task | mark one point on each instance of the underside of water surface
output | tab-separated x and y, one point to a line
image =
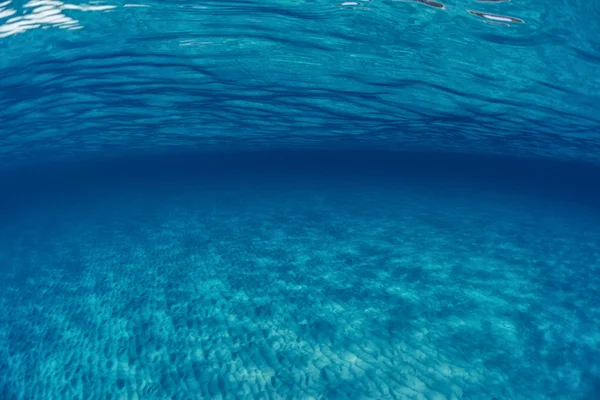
300	276
499	77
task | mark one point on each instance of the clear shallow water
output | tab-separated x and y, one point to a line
194	203
306	275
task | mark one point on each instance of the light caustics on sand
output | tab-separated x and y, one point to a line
356	292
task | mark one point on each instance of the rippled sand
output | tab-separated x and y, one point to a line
302	293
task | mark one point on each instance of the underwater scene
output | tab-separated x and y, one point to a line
300	200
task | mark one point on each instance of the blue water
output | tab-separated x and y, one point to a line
113	77
300	200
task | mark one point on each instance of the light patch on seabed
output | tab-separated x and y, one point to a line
360	294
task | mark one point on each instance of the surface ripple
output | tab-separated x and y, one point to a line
116	77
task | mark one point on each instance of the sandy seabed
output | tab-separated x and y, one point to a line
302	292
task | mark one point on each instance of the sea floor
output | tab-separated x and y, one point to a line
301	291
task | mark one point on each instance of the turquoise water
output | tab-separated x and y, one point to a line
300	200
301	276
114	77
